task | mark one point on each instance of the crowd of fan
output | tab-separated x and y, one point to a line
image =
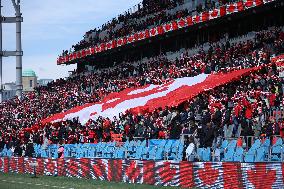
222	108
239	108
152	13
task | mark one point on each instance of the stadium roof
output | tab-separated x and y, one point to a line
230	9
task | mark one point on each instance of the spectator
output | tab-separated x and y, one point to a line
190	149
61	151
29	149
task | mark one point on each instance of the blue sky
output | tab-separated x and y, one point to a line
51	26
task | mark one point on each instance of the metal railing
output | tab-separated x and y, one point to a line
269	157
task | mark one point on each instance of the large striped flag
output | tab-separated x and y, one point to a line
150	97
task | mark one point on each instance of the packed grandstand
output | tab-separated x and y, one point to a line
205	91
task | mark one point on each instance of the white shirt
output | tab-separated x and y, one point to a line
189	149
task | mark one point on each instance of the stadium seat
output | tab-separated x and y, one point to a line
85	148
232	144
5	152
276	150
126	144
256	144
239	154
229	154
109	150
204	154
9	153
152	153
92	151
138	152
144	143
251	153
138	143
163	149
260	154
174	150
229	151
131	149
160	150
179	155
207	154
279	141
167	149
37	149
200	153
120	153
266	145
222	148
224	145
43	154
100	149
69	150
145	153
79	153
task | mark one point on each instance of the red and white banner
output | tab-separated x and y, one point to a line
254	3
278	59
218	12
235	7
150	97
225	175
168	27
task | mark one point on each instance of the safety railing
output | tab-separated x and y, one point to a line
218	158
273	153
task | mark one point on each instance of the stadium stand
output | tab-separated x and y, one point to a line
219	122
148	15
241	120
217	117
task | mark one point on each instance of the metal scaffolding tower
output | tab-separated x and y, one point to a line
18	53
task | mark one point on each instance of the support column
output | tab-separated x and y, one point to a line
1	55
19	55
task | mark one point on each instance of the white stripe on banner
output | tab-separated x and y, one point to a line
162	90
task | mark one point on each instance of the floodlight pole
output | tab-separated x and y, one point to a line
19	52
1	54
